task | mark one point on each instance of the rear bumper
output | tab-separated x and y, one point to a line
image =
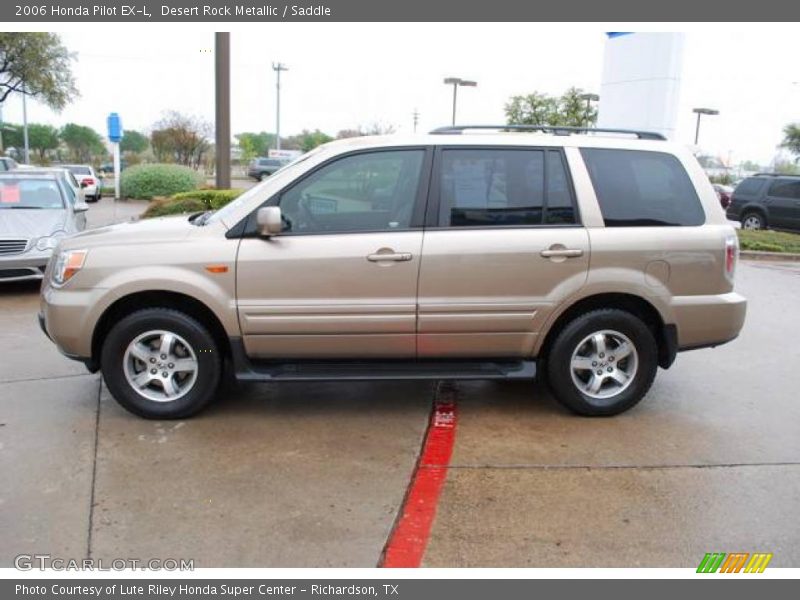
704	321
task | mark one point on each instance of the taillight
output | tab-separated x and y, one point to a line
731	254
87	181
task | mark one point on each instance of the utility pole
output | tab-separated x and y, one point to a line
27	154
415	115
278	67
222	75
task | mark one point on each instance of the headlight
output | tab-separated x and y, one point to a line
67	265
49	242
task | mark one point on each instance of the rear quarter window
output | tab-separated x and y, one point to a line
640	188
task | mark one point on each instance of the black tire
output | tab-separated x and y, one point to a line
208	363
559	363
262	176
755	217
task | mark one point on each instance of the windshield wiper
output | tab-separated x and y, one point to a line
25	207
200	218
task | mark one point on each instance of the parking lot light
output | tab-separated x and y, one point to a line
456	82
701	111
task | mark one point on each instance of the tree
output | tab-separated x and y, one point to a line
307	140
36	64
791	139
83	142
180	139
134	142
255	144
540	109
749	165
42	138
376	128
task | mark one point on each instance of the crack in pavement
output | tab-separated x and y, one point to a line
28	379
601	467
94	471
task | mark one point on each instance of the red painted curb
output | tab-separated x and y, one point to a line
409	539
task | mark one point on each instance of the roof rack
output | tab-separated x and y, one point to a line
554	129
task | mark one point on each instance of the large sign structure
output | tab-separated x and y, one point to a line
641	82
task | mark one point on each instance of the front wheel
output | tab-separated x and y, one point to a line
160	363
602	363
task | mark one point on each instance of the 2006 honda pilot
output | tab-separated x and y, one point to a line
590	257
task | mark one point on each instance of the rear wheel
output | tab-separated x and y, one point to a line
754	220
161	364
602	363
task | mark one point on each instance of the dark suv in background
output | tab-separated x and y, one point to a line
767	200
261	168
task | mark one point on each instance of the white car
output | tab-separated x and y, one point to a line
91	184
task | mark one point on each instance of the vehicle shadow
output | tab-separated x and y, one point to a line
20	288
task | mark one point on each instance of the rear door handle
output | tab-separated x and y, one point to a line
561	252
393	257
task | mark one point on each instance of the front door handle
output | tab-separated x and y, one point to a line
561	253
389	256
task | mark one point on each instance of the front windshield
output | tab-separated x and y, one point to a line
29	194
287	171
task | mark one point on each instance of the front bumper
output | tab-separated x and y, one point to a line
704	321
29	266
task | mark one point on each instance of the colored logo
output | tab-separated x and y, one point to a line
737	562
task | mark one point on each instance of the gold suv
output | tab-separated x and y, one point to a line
589	256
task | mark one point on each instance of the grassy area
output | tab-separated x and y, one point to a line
769	241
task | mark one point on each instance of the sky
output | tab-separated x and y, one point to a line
342	75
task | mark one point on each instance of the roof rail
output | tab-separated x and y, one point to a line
554	129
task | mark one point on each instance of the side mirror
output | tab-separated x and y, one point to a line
80	207
268	221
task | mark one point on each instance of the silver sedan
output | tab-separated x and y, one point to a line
36	211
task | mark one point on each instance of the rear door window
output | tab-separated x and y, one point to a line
496	187
639	188
749	187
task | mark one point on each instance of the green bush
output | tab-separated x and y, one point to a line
213	199
162	207
190	202
148	181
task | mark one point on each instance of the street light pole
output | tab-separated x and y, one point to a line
278	67
222	74
27	154
589	99
456	82
701	111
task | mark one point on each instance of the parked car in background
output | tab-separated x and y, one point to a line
91	184
7	163
260	168
724	194
767	200
75	194
592	258
108	167
35	213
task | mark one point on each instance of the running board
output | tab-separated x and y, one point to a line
349	370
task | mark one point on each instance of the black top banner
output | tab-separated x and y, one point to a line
235	11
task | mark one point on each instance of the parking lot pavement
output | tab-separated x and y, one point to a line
710	461
107	211
295	475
